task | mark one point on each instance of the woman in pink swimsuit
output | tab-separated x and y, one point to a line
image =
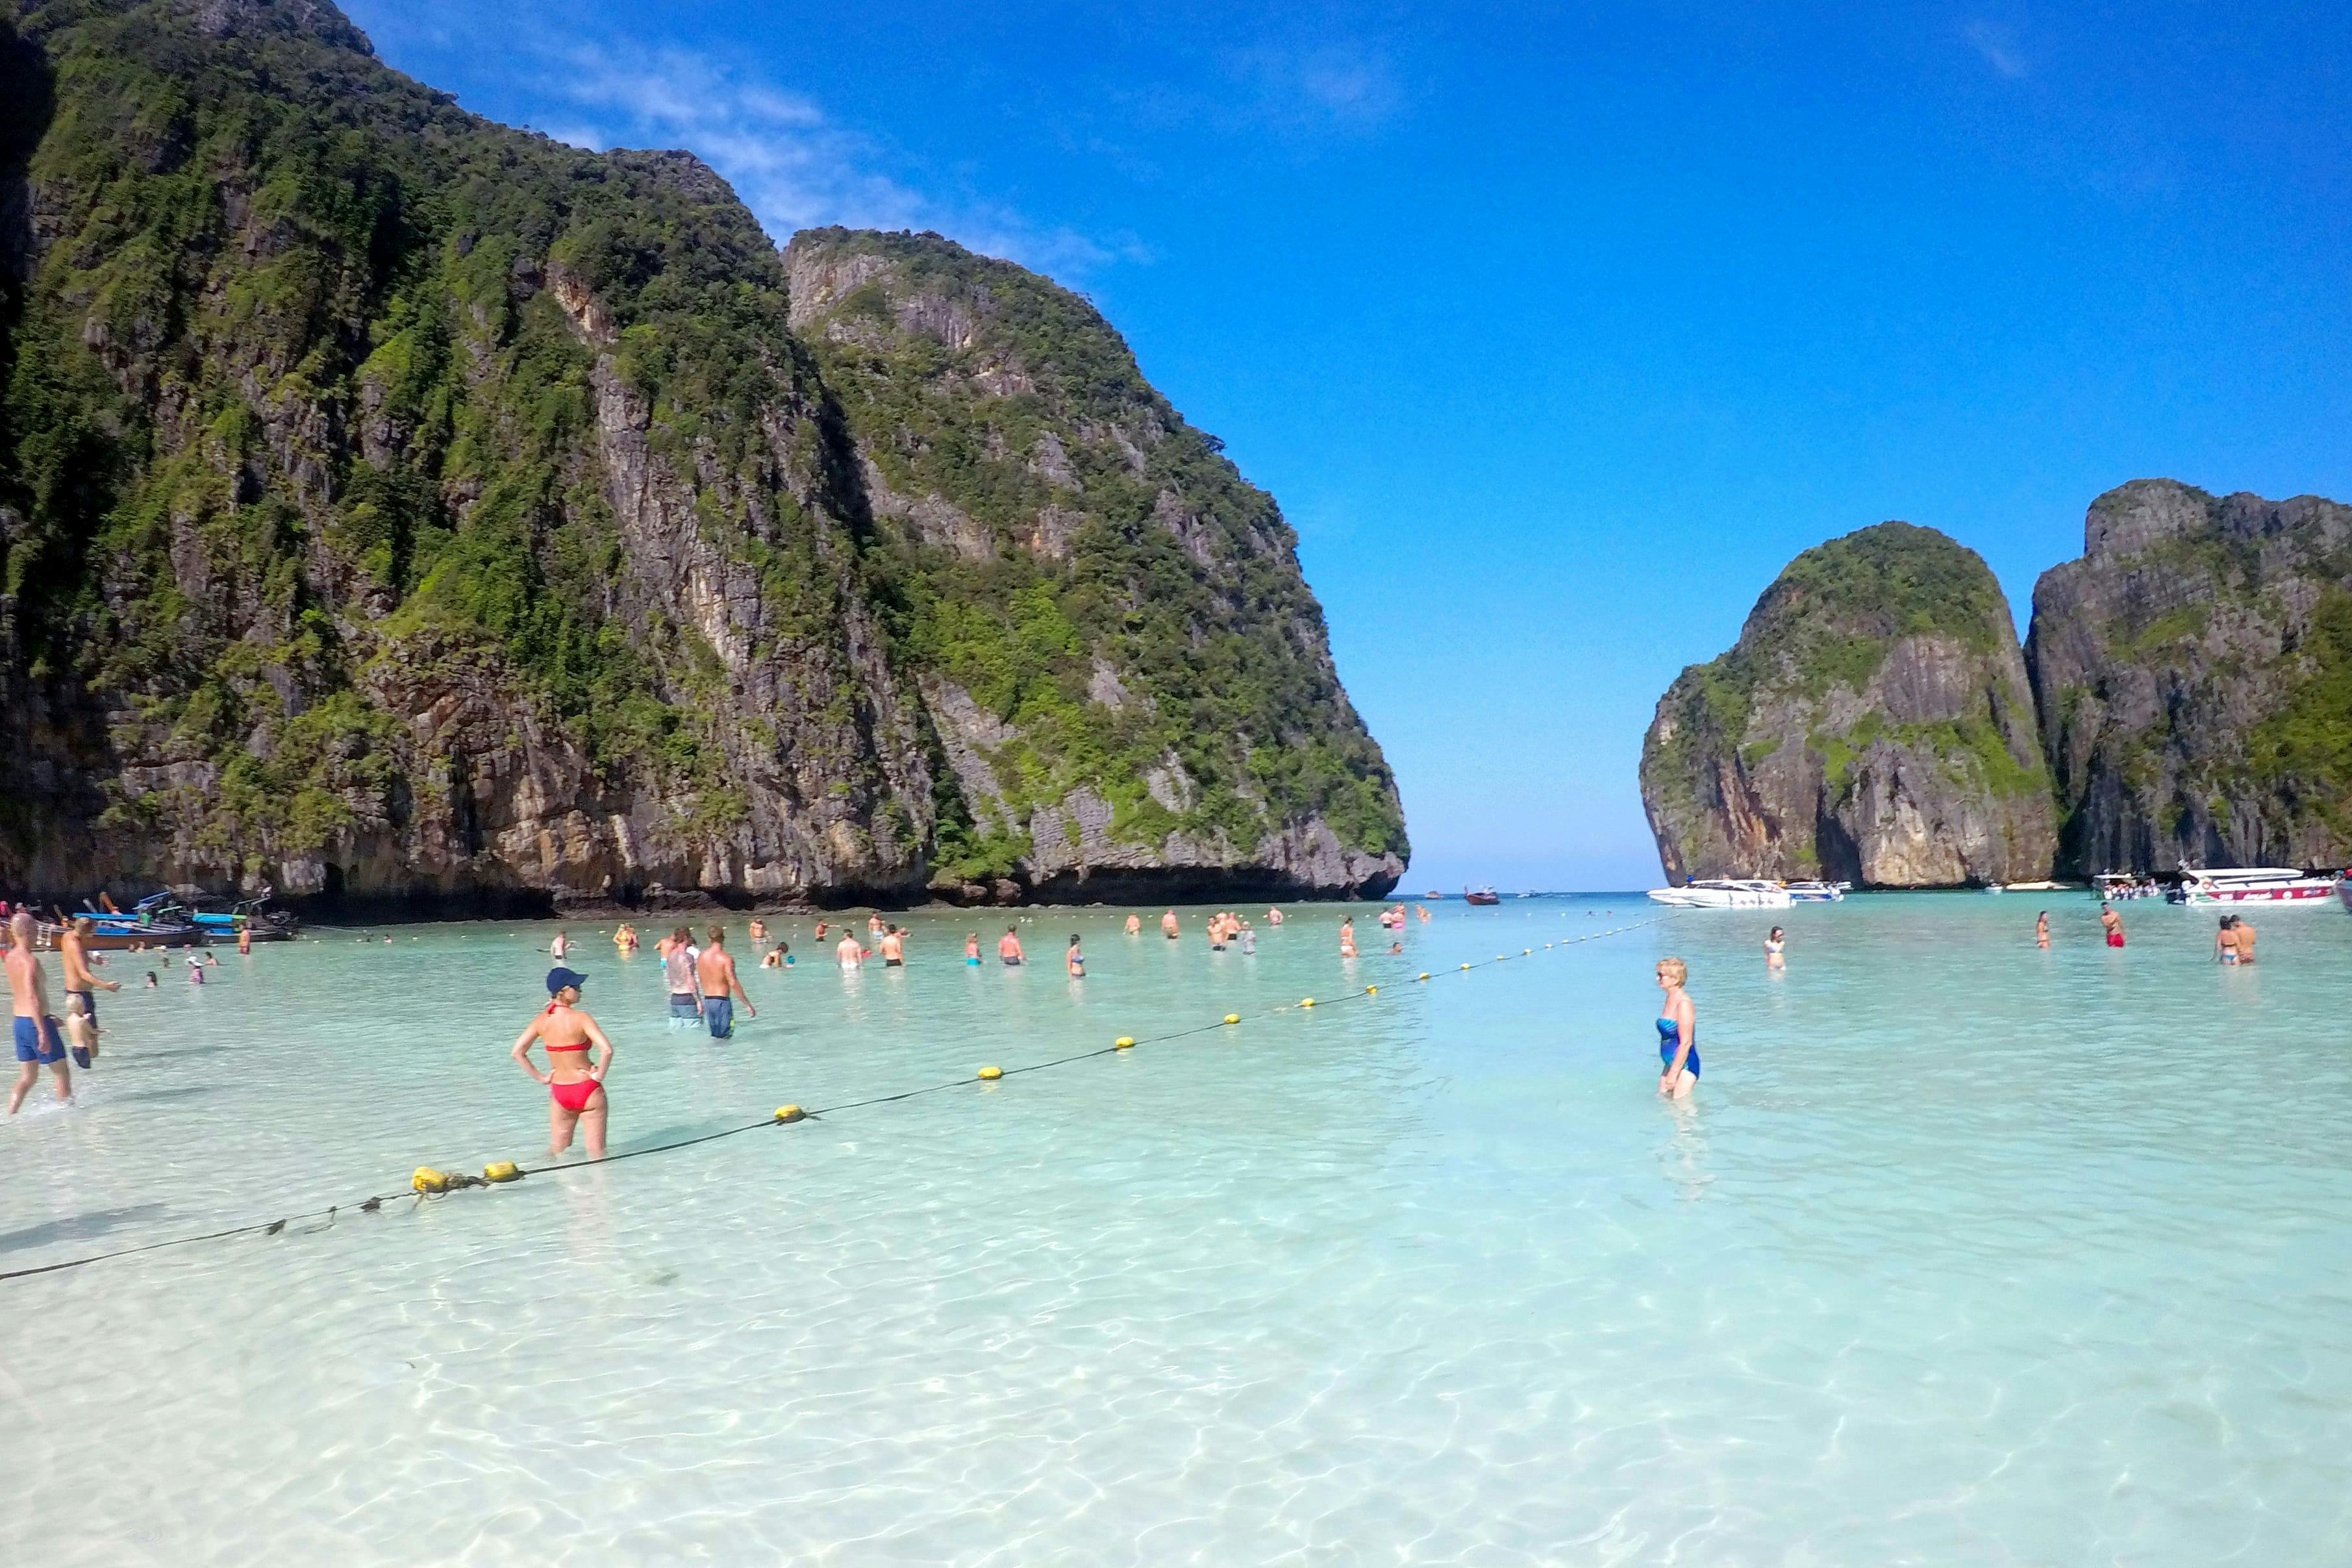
575	1089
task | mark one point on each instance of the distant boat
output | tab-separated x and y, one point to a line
1433	893
2028	887
1483	895
2254	885
1724	893
1816	892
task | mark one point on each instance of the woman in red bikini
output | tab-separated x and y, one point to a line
575	1089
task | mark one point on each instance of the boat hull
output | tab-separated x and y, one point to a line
2239	897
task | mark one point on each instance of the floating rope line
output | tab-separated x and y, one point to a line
428	1182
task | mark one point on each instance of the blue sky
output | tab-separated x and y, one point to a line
1557	331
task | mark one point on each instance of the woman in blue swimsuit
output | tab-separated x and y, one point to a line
1677	1032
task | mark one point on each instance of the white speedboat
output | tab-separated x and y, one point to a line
1724	893
2254	885
1816	892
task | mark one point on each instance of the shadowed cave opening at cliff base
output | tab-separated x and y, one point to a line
497	521
2183	698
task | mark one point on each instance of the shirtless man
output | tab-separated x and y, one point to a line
2114	923
80	983
559	949
850	954
1008	948
1168	925
1274	917
1134	925
720	989
759	931
39	1041
575	1089
893	948
677	956
2244	934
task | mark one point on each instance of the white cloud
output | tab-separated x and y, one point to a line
793	167
1998	46
1347	86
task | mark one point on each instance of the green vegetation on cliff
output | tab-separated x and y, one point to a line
1098	533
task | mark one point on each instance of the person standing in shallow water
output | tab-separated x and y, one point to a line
1134	925
1677	1031
2042	929
40	1042
575	1089
721	989
1347	938
1773	945
2114	923
1075	961
1008	948
1168	925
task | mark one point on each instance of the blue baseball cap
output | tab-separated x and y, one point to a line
560	977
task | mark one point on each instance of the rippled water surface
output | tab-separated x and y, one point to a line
1963	1252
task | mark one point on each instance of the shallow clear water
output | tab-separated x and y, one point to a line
1963	1252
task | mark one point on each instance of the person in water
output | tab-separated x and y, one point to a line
847	951
39	1040
777	956
2114	923
721	989
893	948
2042	929
820	932
1135	925
1248	939
2245	936
559	949
1772	949
244	937
152	983
1075	961
677	956
971	947
1274	917
1677	1031
2225	941
575	1089
81	986
196	971
1168	925
1008	948
1347	938
759	931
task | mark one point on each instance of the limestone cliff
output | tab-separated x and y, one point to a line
396	504
2194	672
1871	724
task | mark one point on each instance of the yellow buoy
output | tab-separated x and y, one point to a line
992	1072
1465	966
1371	990
1525	951
1123	1043
789	1114
1422	975
427	1179
1233	1018
502	1170
1307	1001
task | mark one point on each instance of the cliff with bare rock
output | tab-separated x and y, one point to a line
2194	672
1873	724
398	507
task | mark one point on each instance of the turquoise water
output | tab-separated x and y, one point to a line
1961	1252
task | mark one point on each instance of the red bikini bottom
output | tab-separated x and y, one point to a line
574	1096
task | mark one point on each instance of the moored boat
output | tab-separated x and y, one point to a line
1481	895
1724	893
2255	884
1816	892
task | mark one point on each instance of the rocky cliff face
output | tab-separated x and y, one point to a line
395	505
1871	725
2194	676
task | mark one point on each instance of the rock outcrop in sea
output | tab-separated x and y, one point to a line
397	506
1873	724
2194	672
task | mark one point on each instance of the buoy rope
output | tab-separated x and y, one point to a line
371	1204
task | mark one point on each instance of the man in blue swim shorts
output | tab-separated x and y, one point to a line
715	968
39	1041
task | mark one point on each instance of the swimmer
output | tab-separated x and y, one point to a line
850	954
1677	1031
820	932
1348	938
777	956
2114	923
38	1041
1395	947
893	948
74	959
1423	913
212	961
759	931
2225	941
1772	947
2245	935
971	947
196	971
1274	917
1135	925
1008	948
2042	929
1075	961
150	980
1168	925
575	1089
715	968
558	949
677	956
